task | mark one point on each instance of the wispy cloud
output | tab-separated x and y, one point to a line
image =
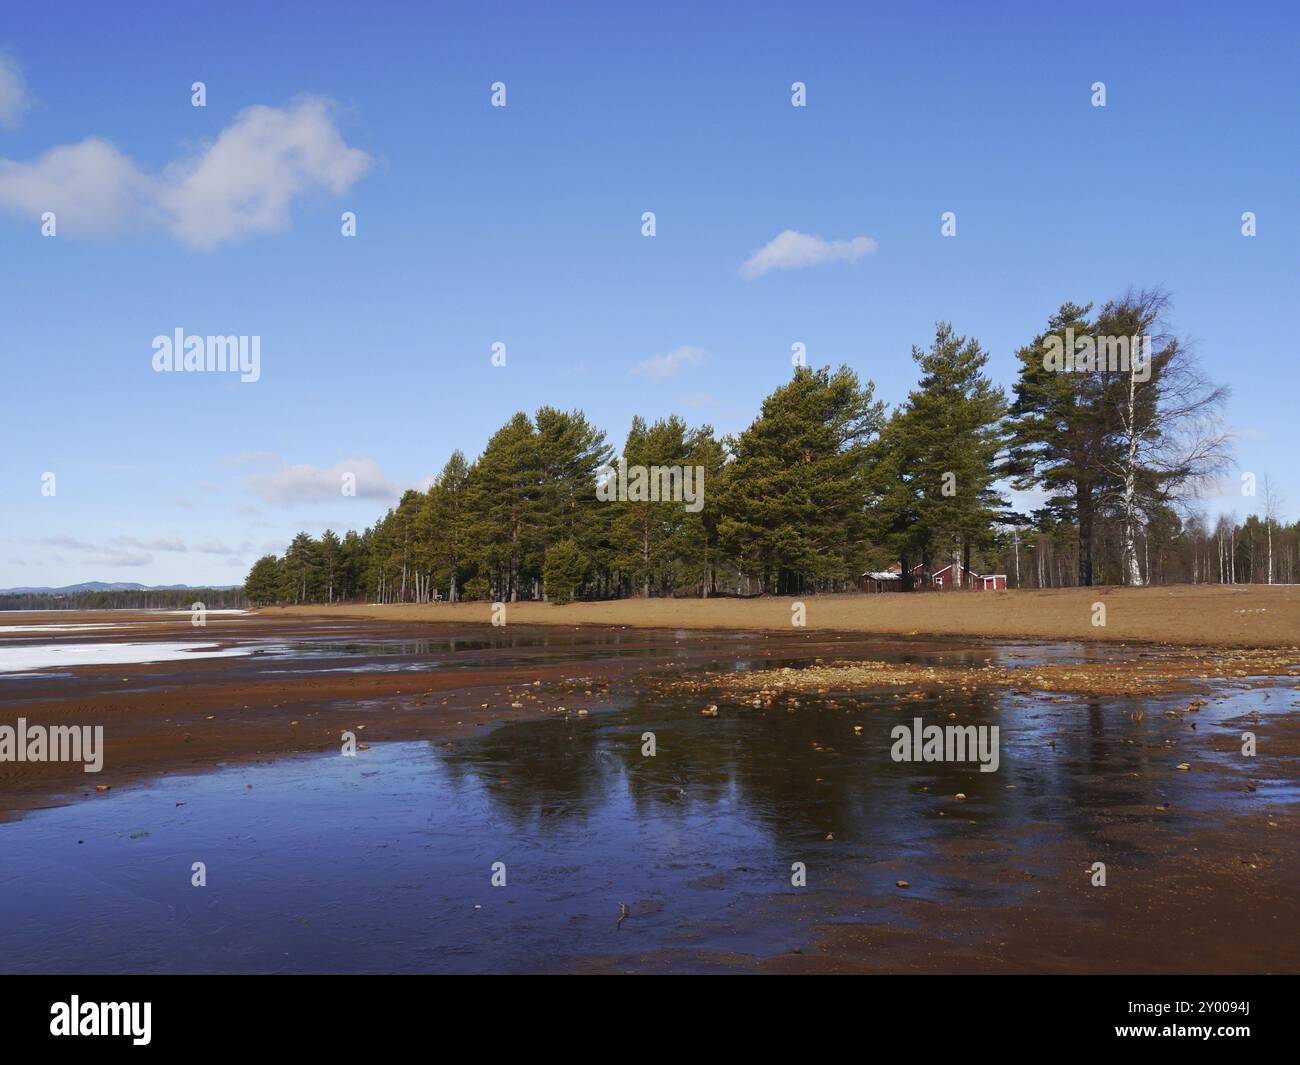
241	184
123	545
111	556
14	99
792	250
253	458
218	547
304	483
62	540
158	543
662	367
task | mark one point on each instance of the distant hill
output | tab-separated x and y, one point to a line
121	595
118	586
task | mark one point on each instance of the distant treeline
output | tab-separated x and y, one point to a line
826	483
171	599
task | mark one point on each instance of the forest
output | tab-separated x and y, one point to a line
126	599
827	483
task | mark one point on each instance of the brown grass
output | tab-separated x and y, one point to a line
1192	615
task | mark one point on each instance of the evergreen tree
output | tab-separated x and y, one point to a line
646	533
444	522
1059	423
329	559
570	451
262	585
299	575
944	447
503	491
793	498
565	570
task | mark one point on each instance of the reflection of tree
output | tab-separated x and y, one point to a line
798	773
1113	770
536	770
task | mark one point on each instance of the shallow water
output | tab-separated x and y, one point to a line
383	862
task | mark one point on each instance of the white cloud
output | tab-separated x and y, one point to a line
91	187
312	484
115	557
661	367
246	181
120	550
63	540
792	250
241	184
14	100
160	543
214	547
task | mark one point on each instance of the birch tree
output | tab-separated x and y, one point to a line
1167	437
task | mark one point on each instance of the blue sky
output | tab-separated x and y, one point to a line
522	225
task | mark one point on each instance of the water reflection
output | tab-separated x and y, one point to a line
382	863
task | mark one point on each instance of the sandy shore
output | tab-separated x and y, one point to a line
185	716
1180	912
1189	615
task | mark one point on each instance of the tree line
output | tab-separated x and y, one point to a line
127	599
824	484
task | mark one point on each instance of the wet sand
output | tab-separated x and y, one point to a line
1213	892
1253	616
181	716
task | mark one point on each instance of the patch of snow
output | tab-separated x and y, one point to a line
48	655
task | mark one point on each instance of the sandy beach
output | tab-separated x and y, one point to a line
1190	615
1099	724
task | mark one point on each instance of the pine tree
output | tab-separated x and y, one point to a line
444	523
329	559
793	498
564	571
262	585
299	575
503	491
570	451
646	532
945	442
1059	423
